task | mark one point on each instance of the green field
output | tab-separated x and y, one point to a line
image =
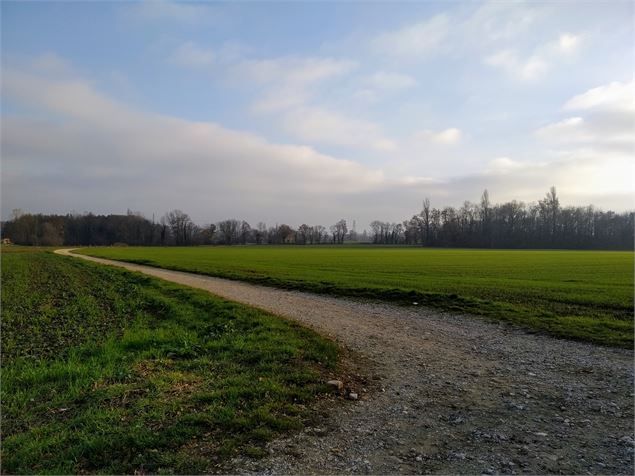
585	295
106	371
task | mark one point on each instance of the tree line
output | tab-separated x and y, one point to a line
174	228
543	224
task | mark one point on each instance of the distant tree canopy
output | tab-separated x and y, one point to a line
514	224
544	224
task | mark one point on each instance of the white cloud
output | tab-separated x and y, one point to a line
293	70
572	129
71	97
52	64
382	83
463	29
365	95
534	66
171	11
280	99
390	81
288	82
568	43
468	31
615	96
527	69
83	150
413	41
289	85
189	54
450	136
506	165
604	128
496	21
611	134
320	125
129	156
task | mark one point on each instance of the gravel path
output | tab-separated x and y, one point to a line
447	393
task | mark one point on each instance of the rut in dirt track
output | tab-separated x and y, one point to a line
454	394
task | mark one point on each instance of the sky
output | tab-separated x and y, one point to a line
310	112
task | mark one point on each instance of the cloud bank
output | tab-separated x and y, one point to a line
85	150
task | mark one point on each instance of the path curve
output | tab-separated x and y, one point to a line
455	394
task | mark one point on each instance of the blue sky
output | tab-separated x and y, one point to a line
314	111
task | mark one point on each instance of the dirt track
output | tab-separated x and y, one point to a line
452	394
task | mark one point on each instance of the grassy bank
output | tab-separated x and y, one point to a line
112	372
585	295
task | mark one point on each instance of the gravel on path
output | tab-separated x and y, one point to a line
452	393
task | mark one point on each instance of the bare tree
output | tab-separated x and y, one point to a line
229	231
376	228
286	234
339	231
260	233
206	234
181	226
319	234
245	231
425	215
303	234
550	209
486	217
164	230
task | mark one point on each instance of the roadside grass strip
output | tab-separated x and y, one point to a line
107	371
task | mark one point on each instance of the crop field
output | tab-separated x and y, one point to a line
106	371
586	295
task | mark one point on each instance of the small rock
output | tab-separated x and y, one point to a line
457	419
595	406
540	433
353	396
418	458
335	385
415	303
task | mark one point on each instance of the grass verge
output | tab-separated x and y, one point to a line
106	371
